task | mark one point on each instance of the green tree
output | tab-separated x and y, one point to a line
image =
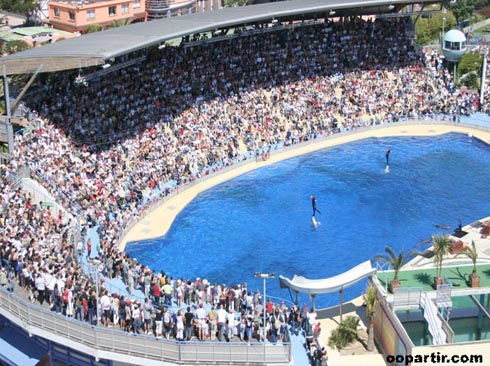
471	253
25	7
370	299
469	69
430	29
441	246
463	9
120	23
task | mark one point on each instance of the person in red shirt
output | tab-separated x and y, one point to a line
156	293
269	307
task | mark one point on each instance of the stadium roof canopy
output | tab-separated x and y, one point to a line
95	48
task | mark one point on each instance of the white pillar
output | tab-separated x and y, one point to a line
8	117
483	78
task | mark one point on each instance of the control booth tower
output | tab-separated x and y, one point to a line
454	47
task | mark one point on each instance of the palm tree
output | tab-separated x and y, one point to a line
234	3
344	334
472	254
396	262
92	28
121	23
441	246
371	299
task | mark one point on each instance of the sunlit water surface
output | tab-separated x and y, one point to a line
261	221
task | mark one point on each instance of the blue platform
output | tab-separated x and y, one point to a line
17	348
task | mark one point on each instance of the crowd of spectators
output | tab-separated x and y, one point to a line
107	150
485	105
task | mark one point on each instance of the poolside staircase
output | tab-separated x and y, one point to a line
433	319
416	298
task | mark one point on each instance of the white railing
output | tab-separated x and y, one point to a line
433	319
443	296
106	343
406	298
416	298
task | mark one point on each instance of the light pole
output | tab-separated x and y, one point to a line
483	72
444	19
264	276
95	267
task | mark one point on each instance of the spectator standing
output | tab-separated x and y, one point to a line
105	306
147	312
222	316
201	322
3	277
180	325
213	323
40	287
189	324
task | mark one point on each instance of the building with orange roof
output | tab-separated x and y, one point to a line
77	16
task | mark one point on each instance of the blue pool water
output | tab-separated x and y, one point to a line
261	220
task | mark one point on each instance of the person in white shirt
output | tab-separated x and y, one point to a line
311	316
222	315
49	280
40	287
136	316
201	322
69	304
105	306
232	323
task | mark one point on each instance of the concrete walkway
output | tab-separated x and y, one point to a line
354	354
473	231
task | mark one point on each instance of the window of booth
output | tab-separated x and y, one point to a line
90	14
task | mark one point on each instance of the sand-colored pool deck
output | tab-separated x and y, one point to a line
157	222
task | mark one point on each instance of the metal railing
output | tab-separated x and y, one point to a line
104	343
433	319
406	298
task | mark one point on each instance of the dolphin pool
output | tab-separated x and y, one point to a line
260	221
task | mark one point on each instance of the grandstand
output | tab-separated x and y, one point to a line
124	116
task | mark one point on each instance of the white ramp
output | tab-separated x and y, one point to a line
431	315
331	284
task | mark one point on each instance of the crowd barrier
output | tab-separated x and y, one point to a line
111	344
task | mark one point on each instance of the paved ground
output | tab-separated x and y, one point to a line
13	20
473	233
356	353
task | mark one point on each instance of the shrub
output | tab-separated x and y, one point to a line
345	333
15	46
